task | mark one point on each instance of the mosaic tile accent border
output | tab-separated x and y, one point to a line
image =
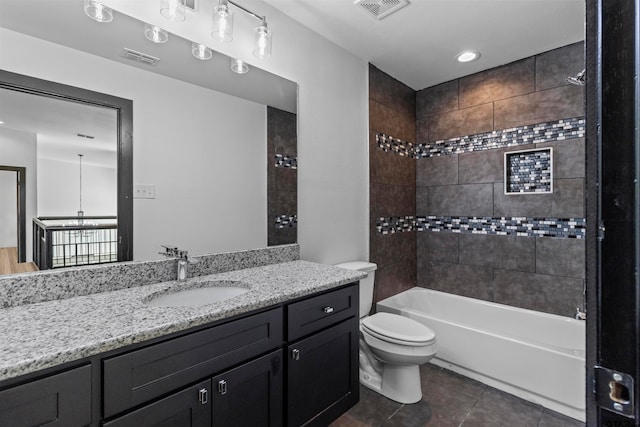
284	221
282	161
528	171
570	228
558	130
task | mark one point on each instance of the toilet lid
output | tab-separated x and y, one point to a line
398	328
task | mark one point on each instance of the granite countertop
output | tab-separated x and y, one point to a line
45	334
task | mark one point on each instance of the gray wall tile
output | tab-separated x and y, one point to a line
552	294
422	131
441	170
483	166
553	67
394	278
560	257
391	92
568	157
384	119
392	200
437	246
422	200
507	252
437	99
386	249
503	82
566	201
461	122
461	200
465	280
388	167
552	104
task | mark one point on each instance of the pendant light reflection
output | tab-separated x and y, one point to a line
222	22
200	51
97	11
173	10
238	66
155	34
262	41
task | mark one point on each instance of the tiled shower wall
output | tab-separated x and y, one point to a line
392	111
541	273
282	192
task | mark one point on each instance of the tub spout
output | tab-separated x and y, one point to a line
580	315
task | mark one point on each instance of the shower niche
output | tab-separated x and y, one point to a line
528	171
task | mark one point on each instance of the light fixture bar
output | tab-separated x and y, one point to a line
247	11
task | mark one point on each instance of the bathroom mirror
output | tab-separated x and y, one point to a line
206	142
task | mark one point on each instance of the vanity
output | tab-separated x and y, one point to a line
283	353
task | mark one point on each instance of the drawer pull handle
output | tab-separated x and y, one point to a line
295	354
203	397
328	309
222	387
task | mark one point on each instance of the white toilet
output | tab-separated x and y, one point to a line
391	346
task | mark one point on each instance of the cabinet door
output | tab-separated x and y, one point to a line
322	375
58	400
251	394
187	408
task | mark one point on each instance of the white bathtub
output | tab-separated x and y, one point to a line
536	356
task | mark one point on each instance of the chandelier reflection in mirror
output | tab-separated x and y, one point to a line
222	26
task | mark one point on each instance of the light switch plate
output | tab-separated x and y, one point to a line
144	191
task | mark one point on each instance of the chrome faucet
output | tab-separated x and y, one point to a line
580	314
182	270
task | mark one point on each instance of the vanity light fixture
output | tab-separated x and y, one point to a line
200	51
223	28
96	11
155	33
239	66
173	10
468	56
222	22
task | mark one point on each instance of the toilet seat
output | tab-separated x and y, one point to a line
398	329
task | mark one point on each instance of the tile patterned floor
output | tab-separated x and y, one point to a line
450	399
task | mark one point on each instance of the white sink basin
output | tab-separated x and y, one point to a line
197	293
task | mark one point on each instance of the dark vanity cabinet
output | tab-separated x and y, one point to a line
295	364
60	400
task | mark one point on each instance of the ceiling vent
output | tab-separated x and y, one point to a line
381	8
139	57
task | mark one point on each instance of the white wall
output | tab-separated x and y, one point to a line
332	126
59	189
19	149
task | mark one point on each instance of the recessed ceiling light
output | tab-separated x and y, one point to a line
1	122
468	56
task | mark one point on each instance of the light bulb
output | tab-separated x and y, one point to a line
97	11
200	51
239	66
173	10
262	41
222	22
155	34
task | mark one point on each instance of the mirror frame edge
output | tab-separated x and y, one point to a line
124	110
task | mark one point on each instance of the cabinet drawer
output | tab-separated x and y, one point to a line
189	408
142	375
58	400
313	314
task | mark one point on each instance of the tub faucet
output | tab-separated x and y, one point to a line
580	314
183	258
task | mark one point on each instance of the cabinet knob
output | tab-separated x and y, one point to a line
295	354
222	387
328	309
203	396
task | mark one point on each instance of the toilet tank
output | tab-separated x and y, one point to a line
366	284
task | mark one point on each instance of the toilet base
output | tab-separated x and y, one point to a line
398	383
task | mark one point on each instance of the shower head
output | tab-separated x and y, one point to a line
578	79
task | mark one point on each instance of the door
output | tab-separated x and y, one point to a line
13	209
251	394
322	375
613	196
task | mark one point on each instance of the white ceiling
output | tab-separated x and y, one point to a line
418	44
